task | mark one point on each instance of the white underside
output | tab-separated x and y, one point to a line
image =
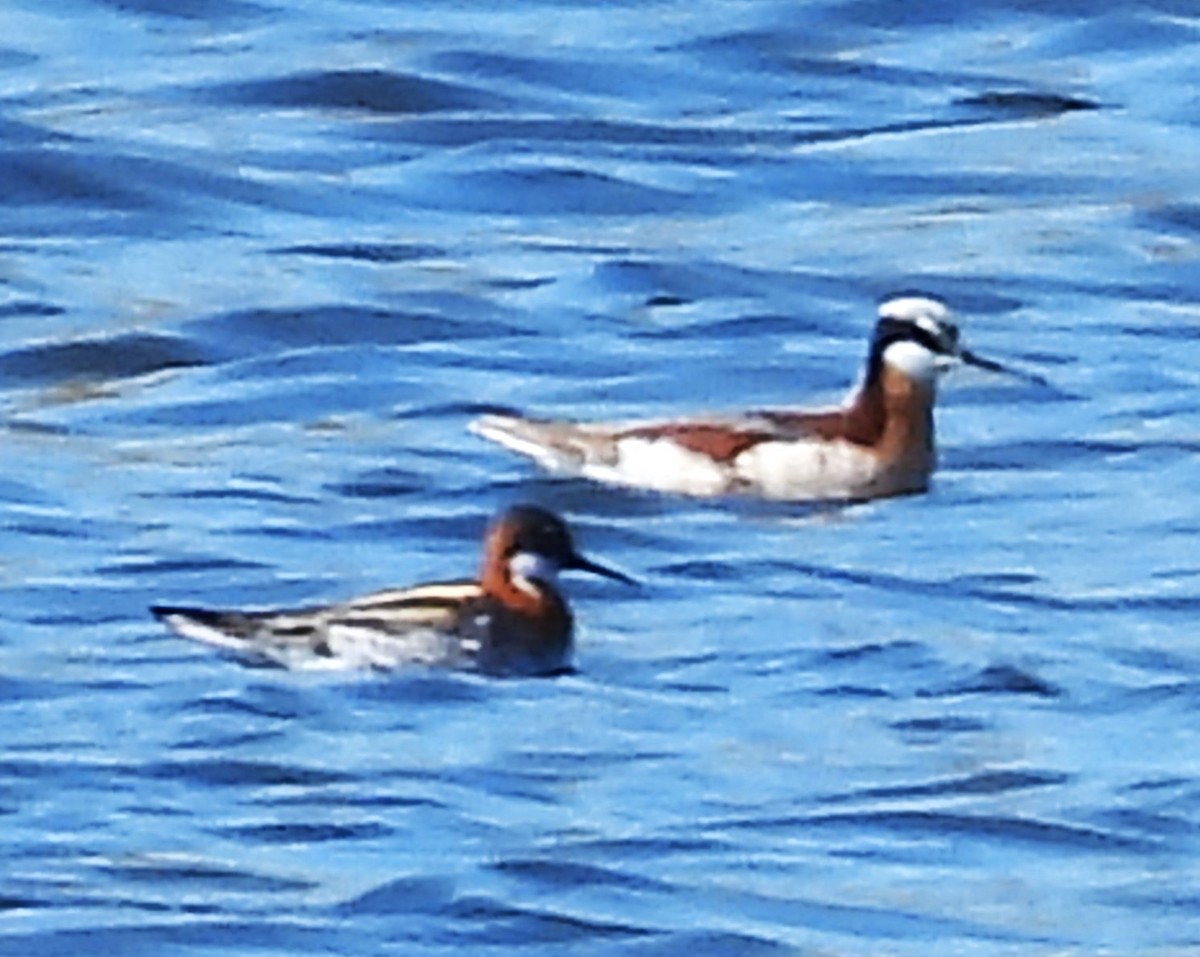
792	470
354	648
809	470
350	648
779	470
663	466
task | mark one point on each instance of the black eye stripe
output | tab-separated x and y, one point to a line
889	330
927	339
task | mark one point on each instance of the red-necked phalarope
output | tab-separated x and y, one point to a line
879	443
513	620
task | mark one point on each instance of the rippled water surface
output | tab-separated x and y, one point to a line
262	262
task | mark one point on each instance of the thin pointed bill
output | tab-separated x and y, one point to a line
970	358
581	564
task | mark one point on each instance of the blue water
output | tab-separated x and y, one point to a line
260	263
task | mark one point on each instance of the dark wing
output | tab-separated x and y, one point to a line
438	605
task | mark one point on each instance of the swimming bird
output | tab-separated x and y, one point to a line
513	620
880	442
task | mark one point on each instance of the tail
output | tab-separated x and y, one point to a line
227	629
557	446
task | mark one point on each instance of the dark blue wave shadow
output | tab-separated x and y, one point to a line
968	588
337	325
88	189
563	875
703	942
485	921
552	189
985	782
947	825
219	933
122	356
403	895
191	876
944	825
191	9
228	772
883	15
380	253
939	726
313	833
1025	104
39	176
25	307
374	91
996	679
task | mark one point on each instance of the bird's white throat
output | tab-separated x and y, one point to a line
531	567
914	360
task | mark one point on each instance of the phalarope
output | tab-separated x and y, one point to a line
513	620
880	442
